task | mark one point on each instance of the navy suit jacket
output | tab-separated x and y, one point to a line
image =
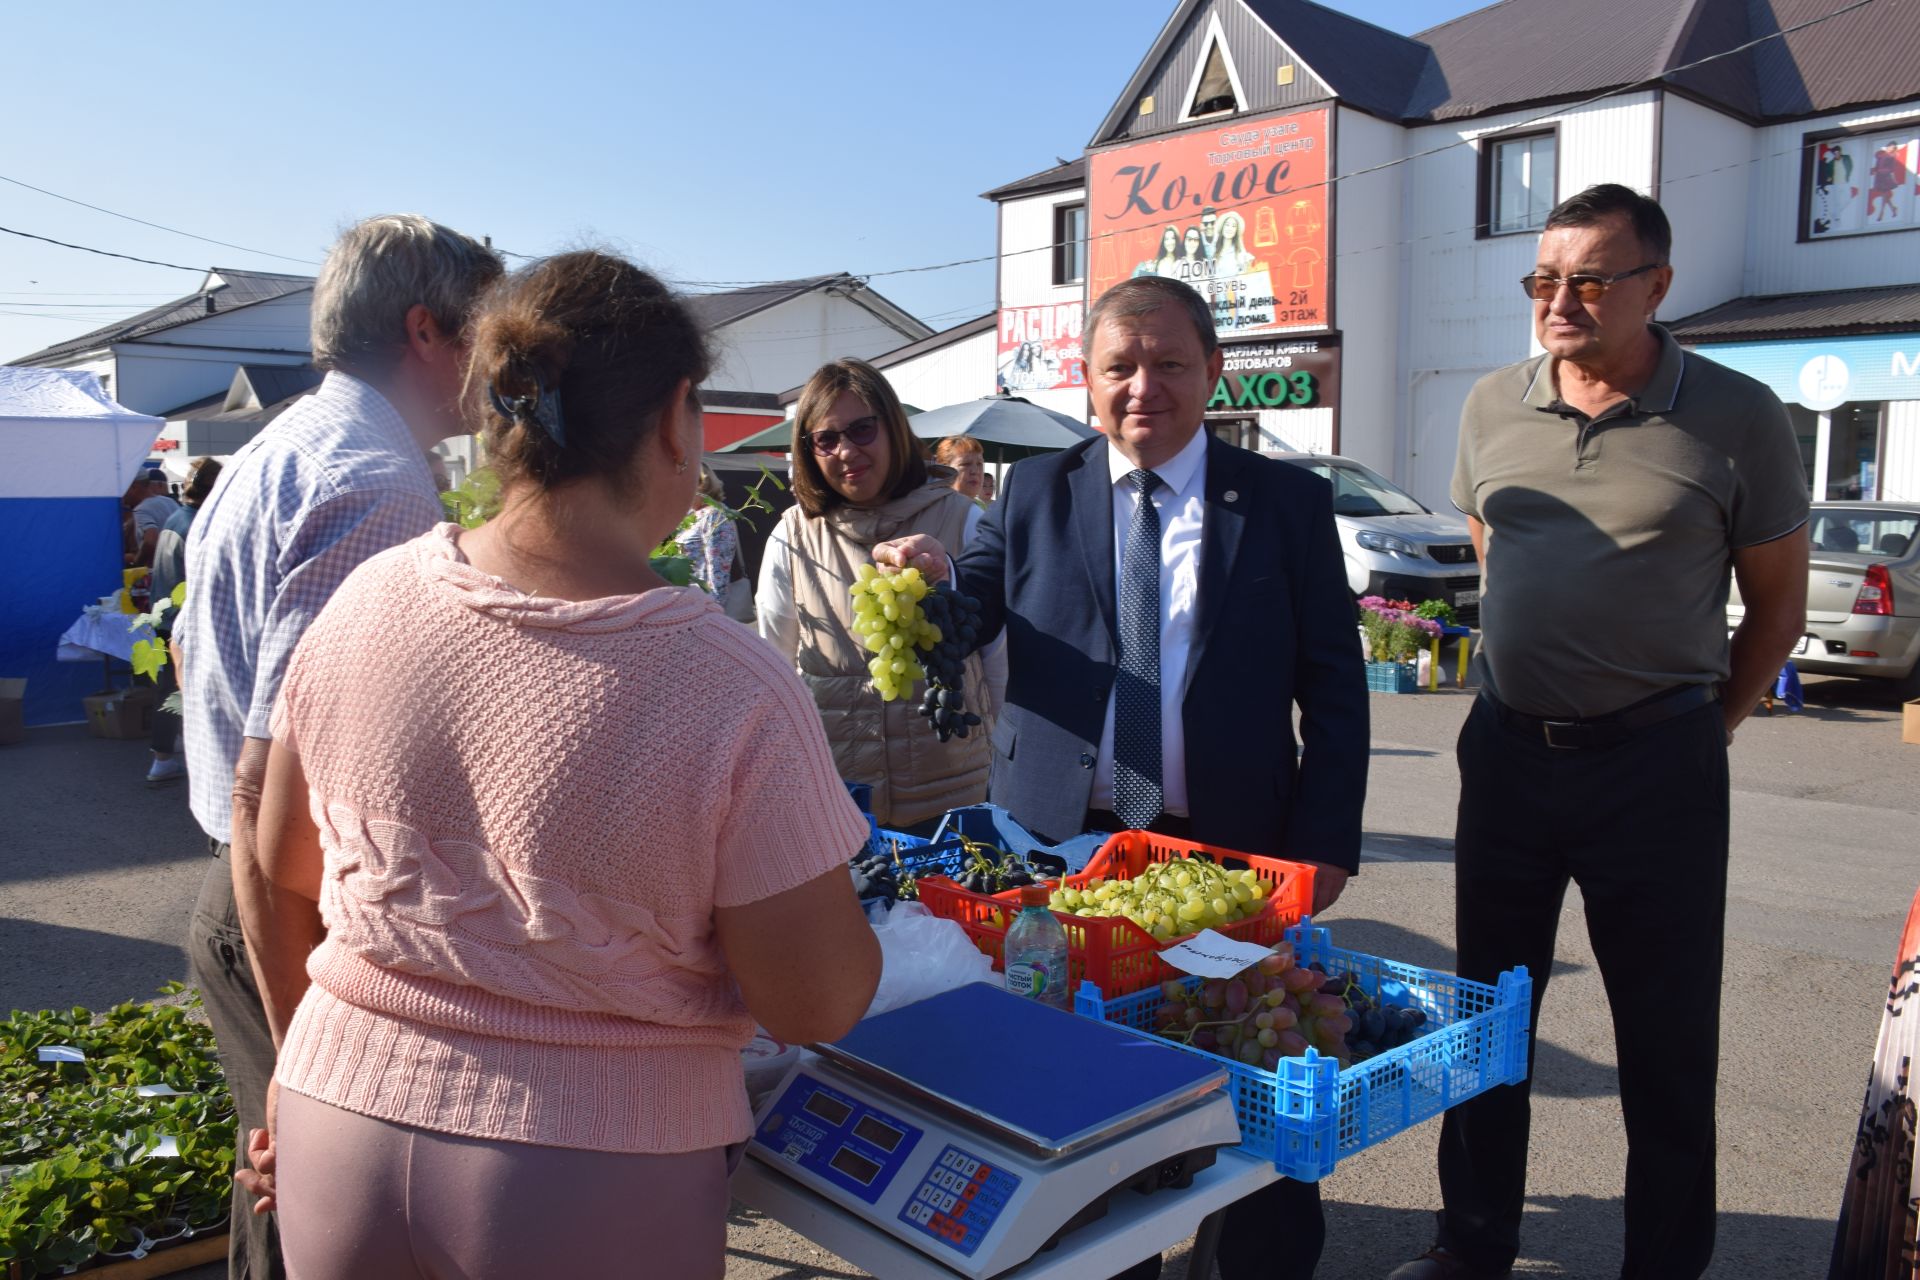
1274	629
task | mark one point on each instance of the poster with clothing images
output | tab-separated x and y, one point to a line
1238	212
1863	183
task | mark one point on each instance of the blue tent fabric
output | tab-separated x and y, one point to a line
72	452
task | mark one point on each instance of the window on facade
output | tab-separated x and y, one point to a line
1069	243
1215	93
1519	176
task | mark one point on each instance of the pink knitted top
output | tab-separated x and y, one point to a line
529	810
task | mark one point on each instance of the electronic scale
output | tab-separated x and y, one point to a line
981	1127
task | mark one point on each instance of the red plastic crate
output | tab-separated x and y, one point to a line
1115	954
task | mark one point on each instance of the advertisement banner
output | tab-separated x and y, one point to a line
1040	348
1861	183
1239	212
1303	373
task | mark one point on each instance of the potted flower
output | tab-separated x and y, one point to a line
1395	634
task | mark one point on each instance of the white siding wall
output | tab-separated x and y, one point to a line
1900	466
1026	266
1026	280
780	347
1300	430
155	379
1704	183
1465	314
955	373
283	324
1776	261
1367	284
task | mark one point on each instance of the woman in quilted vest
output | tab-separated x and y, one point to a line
859	479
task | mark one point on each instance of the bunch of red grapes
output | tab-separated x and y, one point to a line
1279	1009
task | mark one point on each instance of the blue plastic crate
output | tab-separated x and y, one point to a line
919	855
991	824
1309	1114
1392	677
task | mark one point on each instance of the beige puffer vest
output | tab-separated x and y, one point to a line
885	744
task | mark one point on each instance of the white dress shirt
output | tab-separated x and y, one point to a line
1180	498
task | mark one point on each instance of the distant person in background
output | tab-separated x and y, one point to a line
712	543
169	571
339	477
150	516
963	454
437	468
987	486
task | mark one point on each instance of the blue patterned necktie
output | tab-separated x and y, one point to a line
1136	696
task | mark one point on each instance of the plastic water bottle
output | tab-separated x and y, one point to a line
1037	952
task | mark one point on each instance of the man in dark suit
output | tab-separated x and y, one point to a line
1168	601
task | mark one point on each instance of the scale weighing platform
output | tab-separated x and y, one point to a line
976	1129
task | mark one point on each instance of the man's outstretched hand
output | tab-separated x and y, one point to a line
915	551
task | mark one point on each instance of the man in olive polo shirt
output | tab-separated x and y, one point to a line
1610	486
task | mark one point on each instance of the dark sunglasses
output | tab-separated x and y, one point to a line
1587	288
861	433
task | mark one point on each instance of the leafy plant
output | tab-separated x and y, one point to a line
1395	631
1437	611
81	1138
676	568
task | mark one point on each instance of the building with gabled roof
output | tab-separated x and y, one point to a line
1360	205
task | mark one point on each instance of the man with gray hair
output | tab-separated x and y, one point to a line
337	478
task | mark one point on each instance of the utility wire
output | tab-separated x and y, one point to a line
265	253
105	253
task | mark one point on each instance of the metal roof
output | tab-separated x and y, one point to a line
1834	312
223	290
933	342
1368	67
1525	51
716	310
1071	174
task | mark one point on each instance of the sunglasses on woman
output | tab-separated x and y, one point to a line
861	433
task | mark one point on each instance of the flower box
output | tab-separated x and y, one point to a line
1392	677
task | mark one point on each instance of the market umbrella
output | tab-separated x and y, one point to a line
775	439
1007	427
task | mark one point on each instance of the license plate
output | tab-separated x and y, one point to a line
1466	597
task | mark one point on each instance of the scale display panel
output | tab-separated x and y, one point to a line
838	1137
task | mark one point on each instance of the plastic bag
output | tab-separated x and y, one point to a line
922	955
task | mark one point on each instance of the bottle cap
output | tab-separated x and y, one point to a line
1035	895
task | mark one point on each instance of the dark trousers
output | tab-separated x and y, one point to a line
218	955
166	724
1286	1210
1641	827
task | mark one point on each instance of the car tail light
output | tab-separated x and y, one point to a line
1876	592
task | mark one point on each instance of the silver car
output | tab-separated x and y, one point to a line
1863	596
1394	546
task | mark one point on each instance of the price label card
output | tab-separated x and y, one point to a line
61	1053
1213	955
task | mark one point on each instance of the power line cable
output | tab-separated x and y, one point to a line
225	244
105	253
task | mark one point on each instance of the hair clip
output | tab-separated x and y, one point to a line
542	409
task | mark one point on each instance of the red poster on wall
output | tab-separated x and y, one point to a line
1238	212
1040	348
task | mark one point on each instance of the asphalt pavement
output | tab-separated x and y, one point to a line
100	874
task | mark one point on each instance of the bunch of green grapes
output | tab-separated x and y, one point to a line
888	620
1170	899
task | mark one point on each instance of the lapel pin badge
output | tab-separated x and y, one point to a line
1231	495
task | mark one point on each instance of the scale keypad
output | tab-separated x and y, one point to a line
959	1200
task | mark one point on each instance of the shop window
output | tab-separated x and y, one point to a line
1069	243
1242	432
1853	452
1517	183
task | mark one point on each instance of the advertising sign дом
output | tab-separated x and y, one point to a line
1238	212
1040	348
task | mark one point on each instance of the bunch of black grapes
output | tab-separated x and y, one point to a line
958	619
1377	1027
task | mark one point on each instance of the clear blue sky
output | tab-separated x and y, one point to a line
714	140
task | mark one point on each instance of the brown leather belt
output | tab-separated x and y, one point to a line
1608	730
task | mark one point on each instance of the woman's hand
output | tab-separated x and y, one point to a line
261	1155
915	551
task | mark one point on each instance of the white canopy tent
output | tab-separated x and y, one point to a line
72	452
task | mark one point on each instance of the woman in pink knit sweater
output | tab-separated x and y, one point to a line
547	835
